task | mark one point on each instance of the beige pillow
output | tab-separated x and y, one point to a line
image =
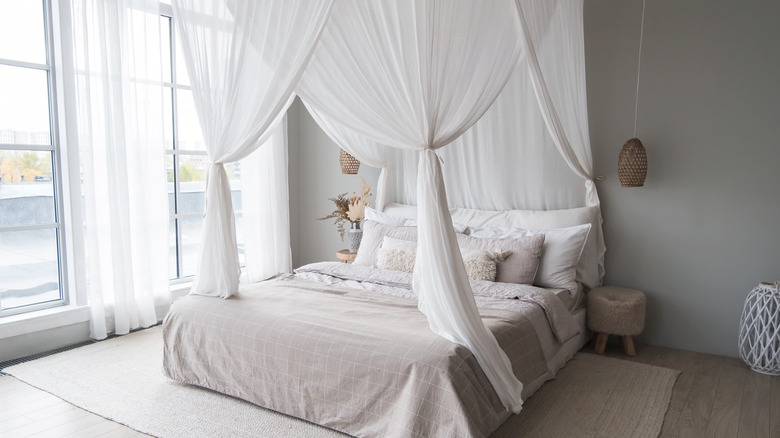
520	267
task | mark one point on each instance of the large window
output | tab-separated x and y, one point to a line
31	262
187	161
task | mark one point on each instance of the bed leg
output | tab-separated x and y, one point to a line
601	342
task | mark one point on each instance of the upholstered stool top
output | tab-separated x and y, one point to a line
616	311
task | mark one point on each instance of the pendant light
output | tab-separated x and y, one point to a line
349	164
632	162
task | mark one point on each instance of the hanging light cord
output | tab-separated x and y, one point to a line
639	66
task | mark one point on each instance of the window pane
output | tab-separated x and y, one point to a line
240	238
182	78
165	42
26	188
190	135
24	106
29	268
168	118
235	190
171	194
22	23
192	183
172	269
190	243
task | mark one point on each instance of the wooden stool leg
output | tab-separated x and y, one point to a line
601	342
628	345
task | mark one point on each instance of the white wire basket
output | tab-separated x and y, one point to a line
759	329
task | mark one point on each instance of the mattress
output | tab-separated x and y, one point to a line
362	361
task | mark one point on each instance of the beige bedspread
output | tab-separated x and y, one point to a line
355	361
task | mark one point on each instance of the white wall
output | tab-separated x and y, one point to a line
705	229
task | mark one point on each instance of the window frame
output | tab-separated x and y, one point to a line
55	149
173	86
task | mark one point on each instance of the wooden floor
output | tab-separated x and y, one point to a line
29	412
714	396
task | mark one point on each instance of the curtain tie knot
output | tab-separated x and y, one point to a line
206	189
435	154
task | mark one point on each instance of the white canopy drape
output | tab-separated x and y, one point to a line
265	204
541	160
244	59
418	77
400	74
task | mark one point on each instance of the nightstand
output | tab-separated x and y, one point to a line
346	255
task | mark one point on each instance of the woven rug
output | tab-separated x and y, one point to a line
595	396
121	379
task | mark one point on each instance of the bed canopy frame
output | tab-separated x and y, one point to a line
386	80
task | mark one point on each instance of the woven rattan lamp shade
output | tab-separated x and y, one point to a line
349	164
632	164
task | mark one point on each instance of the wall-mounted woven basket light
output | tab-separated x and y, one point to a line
349	164
632	164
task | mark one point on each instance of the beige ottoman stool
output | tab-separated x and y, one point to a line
616	311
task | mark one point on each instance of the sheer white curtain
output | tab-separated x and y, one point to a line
552	33
265	204
112	65
553	42
244	58
416	75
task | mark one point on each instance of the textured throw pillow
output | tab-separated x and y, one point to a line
480	264
397	254
400	255
373	233
521	266
560	254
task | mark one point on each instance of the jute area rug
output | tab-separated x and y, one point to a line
121	379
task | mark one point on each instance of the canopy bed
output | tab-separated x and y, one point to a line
440	350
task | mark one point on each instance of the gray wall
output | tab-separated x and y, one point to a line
315	176
704	230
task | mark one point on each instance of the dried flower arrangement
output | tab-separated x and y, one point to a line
351	209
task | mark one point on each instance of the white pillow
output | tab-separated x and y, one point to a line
560	254
384	218
373	233
459	228
395	212
400	255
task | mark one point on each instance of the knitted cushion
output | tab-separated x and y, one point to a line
616	311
